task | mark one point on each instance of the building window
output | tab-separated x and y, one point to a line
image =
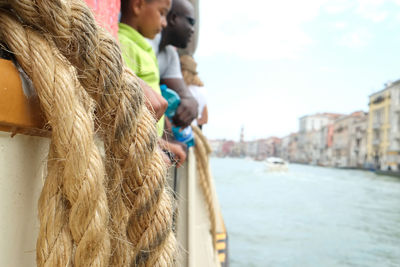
398	123
378	116
376	134
398	97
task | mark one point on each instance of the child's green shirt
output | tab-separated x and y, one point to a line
141	59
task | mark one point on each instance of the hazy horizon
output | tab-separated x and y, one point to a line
265	64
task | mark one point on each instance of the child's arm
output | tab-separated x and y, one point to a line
154	102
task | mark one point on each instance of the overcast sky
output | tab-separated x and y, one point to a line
266	63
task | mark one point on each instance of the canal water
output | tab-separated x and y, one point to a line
309	216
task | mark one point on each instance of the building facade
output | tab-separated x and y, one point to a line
378	129
284	147
292	150
343	134
358	141
326	139
393	153
309	128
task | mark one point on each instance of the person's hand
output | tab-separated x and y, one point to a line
166	158
167	135
186	112
188	109
177	149
154	102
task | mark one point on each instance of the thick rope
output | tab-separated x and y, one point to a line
137	176
202	151
81	176
203	139
55	242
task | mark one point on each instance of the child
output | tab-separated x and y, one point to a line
142	19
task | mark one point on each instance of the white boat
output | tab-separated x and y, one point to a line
275	164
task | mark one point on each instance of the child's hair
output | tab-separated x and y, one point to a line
125	4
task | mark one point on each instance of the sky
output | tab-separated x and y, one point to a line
266	63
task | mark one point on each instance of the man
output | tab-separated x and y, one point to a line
177	33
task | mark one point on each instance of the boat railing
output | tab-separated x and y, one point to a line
24	159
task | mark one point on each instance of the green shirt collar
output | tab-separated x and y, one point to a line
135	36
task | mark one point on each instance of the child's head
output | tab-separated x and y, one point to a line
148	17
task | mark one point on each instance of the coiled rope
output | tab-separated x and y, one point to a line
138	201
202	151
80	176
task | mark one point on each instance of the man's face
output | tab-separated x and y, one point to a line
152	18
183	27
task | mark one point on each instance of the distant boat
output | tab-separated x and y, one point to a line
276	164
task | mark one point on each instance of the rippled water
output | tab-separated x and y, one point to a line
309	216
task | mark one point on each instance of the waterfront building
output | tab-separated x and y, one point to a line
256	149
308	126
237	150
216	147
292	150
314	146
221	147
265	148
284	147
242	147
227	148
358	141
276	143
326	136
342	137
378	129
393	153
251	149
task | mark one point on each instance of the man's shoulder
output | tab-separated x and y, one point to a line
171	50
168	61
169	55
168	52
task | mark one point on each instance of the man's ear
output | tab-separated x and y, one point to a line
137	6
172	19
